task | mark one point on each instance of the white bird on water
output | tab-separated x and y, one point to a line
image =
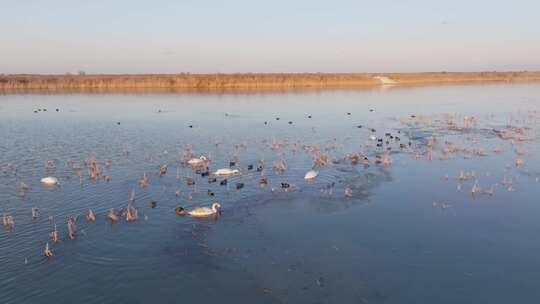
197	161
49	181
311	175
205	211
227	172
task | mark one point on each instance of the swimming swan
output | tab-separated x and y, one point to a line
49	181
311	174
227	172
205	211
197	161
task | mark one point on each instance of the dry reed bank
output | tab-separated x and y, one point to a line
209	82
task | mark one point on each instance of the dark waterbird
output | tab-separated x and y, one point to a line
180	211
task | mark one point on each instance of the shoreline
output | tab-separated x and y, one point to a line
246	82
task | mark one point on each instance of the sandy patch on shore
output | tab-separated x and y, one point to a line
385	80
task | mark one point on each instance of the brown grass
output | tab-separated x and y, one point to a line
233	82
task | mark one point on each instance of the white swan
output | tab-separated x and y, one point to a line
49	181
311	174
227	172
197	161
205	211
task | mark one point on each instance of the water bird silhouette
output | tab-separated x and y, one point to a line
180	211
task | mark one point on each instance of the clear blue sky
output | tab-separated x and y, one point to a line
167	36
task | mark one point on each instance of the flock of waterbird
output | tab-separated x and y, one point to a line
446	137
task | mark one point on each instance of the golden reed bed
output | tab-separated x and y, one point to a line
242	82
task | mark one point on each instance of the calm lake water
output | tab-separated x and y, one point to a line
405	233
